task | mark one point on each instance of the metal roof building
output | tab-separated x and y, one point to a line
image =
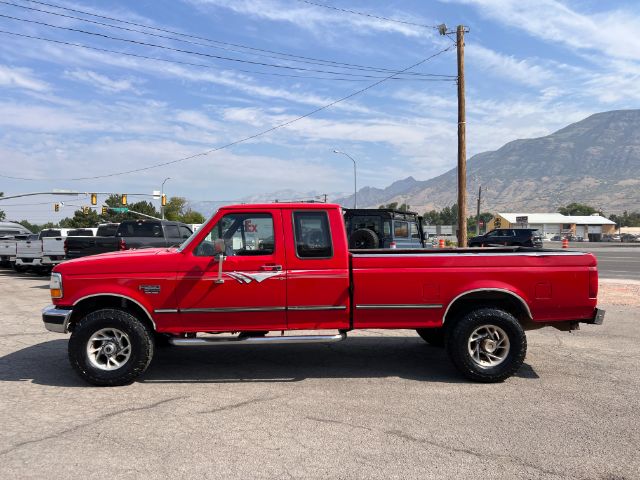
552	224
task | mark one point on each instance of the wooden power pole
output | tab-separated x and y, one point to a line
478	210
462	143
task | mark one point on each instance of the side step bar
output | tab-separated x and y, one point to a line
196	342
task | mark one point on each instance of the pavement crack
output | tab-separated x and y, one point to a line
468	451
87	424
238	405
338	422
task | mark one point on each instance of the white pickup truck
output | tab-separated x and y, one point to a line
10	233
28	253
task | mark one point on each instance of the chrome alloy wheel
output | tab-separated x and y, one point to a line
109	349
488	346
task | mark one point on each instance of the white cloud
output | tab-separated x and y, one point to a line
525	71
103	82
316	19
556	22
14	77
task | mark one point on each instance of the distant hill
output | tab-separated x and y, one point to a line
594	161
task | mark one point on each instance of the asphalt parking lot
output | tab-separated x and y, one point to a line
380	405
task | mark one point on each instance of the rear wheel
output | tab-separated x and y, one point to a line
487	345
110	347
433	336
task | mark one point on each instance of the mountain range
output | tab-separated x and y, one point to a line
595	161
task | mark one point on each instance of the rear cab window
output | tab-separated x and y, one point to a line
312	235
140	229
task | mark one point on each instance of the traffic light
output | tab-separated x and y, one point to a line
163	200
124	199
56	207
105	210
94	199
85	210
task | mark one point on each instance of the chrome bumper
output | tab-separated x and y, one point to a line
56	319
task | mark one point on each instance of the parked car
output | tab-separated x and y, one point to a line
253	269
522	237
383	228
629	238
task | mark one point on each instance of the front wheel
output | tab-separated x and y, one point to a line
110	347
487	345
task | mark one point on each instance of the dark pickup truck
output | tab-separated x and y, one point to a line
127	235
82	246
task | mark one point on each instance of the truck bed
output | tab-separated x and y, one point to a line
552	283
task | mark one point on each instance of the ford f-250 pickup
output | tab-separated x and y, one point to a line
255	269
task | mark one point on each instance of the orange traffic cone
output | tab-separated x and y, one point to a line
441	243
565	243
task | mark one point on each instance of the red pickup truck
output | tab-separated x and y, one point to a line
255	269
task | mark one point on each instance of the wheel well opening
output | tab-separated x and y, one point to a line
109	301
489	298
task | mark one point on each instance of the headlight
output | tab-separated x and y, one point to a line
55	285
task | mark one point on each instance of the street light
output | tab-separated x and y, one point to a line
162	196
355	183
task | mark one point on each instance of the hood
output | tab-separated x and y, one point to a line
147	260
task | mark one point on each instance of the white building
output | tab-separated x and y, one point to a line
551	224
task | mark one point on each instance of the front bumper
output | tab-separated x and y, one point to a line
56	319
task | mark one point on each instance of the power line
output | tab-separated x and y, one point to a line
214	67
378	17
190	52
250	137
302	58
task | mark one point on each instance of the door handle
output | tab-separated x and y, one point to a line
271	268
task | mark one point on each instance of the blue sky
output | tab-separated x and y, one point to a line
533	66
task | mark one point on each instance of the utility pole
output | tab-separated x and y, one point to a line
462	143
478	211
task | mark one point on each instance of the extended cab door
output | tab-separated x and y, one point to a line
253	295
317	269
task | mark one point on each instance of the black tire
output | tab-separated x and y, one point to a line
19	268
433	336
140	339
458	345
364	238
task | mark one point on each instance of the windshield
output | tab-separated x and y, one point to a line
190	239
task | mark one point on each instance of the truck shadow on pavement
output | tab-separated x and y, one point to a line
363	357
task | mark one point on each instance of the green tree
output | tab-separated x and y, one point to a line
485	217
394	206
432	217
577	209
191	216
35	228
627	219
81	220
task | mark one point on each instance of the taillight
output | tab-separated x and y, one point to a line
392	245
122	244
66	247
593	283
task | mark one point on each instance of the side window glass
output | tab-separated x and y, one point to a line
243	234
386	228
312	235
414	231
400	229
172	231
184	232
